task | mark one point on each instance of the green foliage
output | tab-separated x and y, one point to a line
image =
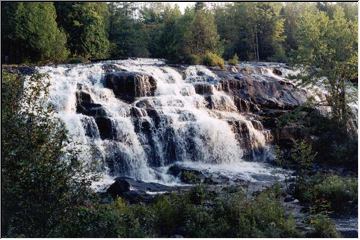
41	184
197	213
252	30
234	60
212	59
201	36
85	25
327	47
193	59
329	193
323	227
31	33
303	155
334	144
128	36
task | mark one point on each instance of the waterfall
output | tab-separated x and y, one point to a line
136	117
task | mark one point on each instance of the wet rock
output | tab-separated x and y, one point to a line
290	134
135	191
106	128
187	175
289	199
244	105
204	88
277	72
119	187
265	92
85	105
130	85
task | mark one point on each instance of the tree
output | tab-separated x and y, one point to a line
253	31
127	34
167	37
42	179
31	33
85	25
328	48
202	34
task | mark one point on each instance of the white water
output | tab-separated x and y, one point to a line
187	127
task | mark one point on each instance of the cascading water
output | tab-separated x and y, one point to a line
137	117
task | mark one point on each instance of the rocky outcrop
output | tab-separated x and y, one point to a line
264	93
130	85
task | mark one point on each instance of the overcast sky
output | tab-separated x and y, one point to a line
183	5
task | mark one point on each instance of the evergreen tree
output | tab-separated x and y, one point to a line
31	33
202	34
127	34
85	25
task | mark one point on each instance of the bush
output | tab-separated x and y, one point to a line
323	227
41	183
234	60
341	192
327	193
212	59
193	59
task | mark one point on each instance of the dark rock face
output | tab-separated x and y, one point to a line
106	128
265	93
130	85
277	72
204	88
85	105
119	187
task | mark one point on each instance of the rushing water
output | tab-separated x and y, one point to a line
148	134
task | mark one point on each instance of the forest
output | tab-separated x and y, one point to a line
145	87
76	31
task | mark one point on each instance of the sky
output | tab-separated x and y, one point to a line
183	5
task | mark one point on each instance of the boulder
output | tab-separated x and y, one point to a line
135	191
119	187
187	175
277	72
85	105
130	85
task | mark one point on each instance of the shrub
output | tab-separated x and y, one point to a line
41	183
212	59
341	192
234	60
328	193
323	227
193	59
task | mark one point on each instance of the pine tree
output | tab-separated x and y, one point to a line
202	35
32	33
85	25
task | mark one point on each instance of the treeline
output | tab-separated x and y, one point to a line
65	31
